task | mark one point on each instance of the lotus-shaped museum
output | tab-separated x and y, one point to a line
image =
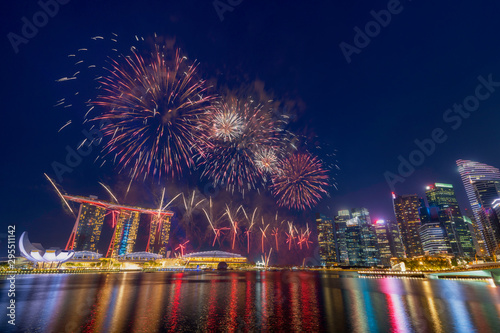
35	252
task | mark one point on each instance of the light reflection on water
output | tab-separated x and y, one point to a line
250	301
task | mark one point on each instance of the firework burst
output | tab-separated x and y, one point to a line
242	136
300	182
157	113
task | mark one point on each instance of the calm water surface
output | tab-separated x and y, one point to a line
250	301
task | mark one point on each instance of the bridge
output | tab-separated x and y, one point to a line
487	271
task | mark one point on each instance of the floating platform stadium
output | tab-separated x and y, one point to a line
214	259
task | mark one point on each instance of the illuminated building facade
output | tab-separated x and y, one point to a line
487	192
442	196
406	211
434	240
125	233
395	241
384	246
213	259
475	177
159	233
125	221
89	226
326	240
353	242
41	257
340	233
368	238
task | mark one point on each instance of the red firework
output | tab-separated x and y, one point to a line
301	181
156	113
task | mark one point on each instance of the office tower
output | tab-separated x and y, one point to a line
340	233
395	242
125	233
326	240
478	179
353	241
434	240
424	212
487	191
88	227
406	211
442	196
477	238
368	238
159	232
384	247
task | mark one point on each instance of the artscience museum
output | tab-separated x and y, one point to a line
40	257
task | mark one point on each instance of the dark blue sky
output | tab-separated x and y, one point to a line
371	110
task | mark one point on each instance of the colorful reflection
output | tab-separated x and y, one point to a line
251	301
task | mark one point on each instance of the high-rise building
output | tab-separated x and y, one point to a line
442	196
159	233
353	242
88	227
326	240
340	233
395	242
368	238
433	239
477	238
125	233
478	179
124	220
384	247
406	211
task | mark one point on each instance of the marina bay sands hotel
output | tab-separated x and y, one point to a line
87	230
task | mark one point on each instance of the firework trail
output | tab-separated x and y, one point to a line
234	223
173	199
242	138
263	232
217	231
111	193
251	222
290	236
300	182
157	113
59	194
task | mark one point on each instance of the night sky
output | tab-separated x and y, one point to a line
395	90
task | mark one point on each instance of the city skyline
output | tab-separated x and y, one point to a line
367	134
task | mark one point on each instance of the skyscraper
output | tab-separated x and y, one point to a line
477	177
326	240
477	239
340	233
88	227
395	241
353	242
433	239
456	233
159	232
125	233
384	247
368	238
406	211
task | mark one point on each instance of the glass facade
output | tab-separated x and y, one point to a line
406	210
89	227
326	240
475	177
442	196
